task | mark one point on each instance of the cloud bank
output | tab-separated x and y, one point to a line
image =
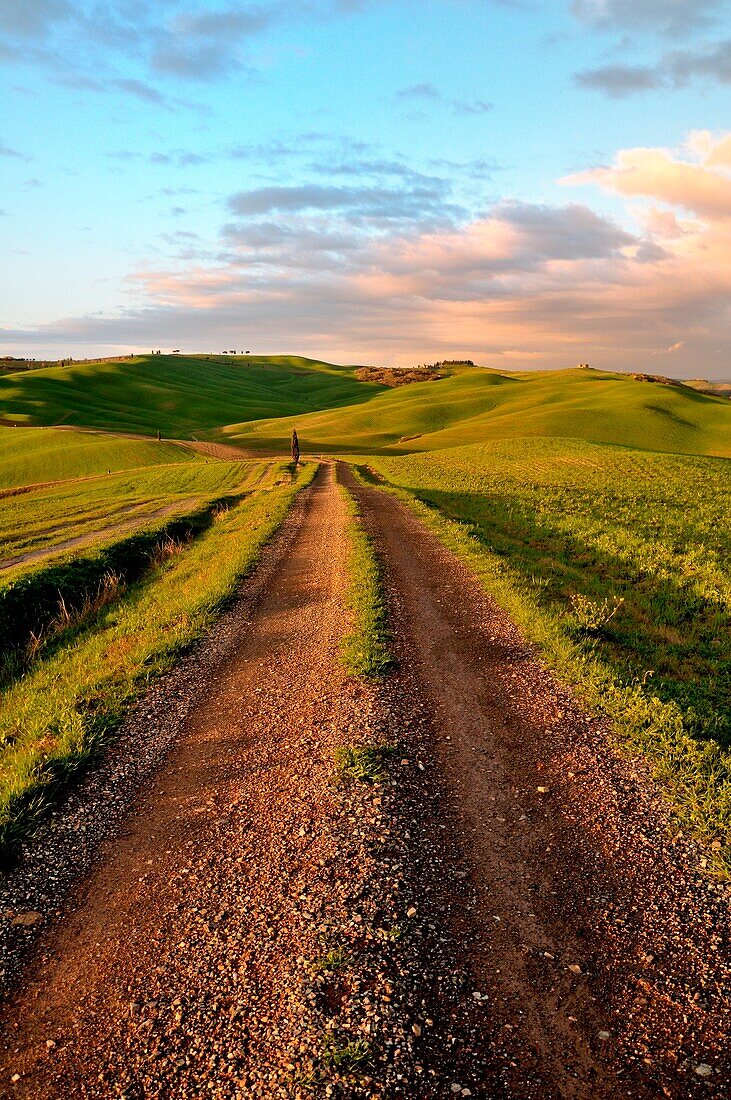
526	284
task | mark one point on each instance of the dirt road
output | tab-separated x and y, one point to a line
600	938
193	914
256	929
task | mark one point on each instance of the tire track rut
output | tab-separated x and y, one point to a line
600	941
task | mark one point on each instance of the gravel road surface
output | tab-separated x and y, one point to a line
218	912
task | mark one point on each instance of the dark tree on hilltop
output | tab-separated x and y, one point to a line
295	447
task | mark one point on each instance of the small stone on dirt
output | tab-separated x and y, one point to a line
703	1070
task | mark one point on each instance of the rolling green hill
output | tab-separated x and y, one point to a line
255	402
178	395
29	456
475	405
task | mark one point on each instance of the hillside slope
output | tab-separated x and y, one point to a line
175	394
255	402
474	405
29	456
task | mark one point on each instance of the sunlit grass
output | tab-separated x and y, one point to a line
40	520
29	456
177	394
366	647
617	563
476	404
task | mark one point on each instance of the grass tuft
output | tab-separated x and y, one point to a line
337	958
348	1057
363	763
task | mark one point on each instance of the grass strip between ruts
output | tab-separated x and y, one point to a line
53	721
366	648
694	775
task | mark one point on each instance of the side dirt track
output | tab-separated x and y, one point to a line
254	928
119	528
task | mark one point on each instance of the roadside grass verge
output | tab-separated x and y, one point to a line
616	565
40	607
366	648
55	719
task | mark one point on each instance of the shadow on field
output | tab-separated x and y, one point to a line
664	635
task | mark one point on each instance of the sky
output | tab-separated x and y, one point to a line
525	183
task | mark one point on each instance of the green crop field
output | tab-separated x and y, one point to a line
619	562
177	395
30	456
37	524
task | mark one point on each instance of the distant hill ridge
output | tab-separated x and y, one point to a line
254	402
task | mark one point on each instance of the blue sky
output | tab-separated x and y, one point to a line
369	180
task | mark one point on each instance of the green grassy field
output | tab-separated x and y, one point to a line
618	562
594	506
36	522
255	402
475	404
178	395
31	456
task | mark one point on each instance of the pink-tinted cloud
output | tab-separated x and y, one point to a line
701	185
526	284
